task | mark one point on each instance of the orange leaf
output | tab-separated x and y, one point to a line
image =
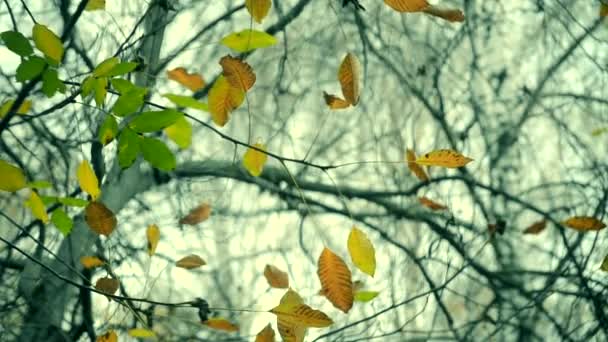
407	5
431	204
444	158
221	324
416	169
197	215
107	285
265	335
449	14
583	223
109	336
336	281
292	310
349	77
192	81
223	99
239	74
536	227
153	235
275	277
290	332
191	261
90	261
100	218
334	102
258	9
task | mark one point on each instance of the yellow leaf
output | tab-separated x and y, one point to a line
293	311
334	102
275	277
349	76
238	73
12	178
604	266
197	215
88	180
48	43
290	332
191	261
91	261
362	251
407	5
192	81
254	160
223	99
109	336
536	227
99	218
94	5
431	204
449	14
142	333
37	207
23	109
258	9
180	132
603	9
365	296
583	223
221	324
416	169
107	285
153	235
248	40
265	335
336	282
444	158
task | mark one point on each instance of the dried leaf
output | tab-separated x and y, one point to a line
109	336
444	158
603	9
449	14
349	76
254	160
275	277
293	311
100	218
153	235
583	223
191	81
334	102
431	204
362	251
265	335
197	215
88	180
258	9
407	5
107	285
142	333
91	261
290	332
12	178
191	261
238	73
223	99
536	227
221	324
336	282
416	169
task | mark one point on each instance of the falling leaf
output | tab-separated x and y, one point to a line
603	9
349	77
88	180
254	160
334	102
596	132
107	285
275	277
48	43
23	109
361	252
94	5
12	178
109	336
444	158
258	9
248	40
223	99
536	227
583	223
180	133
604	266
265	335
191	81
416	169
449	14
290	332
153	235
90	261
407	5
336	282
197	215
293	311
238	73
100	218
431	204
142	333
221	324
191	261
499	227
37	207
365	296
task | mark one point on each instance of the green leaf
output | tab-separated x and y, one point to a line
17	43
23	109
72	201
95	5
187	102
599	131
248	40
180	133
128	148
158	154
48	200
100	88
121	85
48	43
30	68
365	296
40	184
104	68
87	86
37	207
12	178
155	120
62	221
51	83
122	68
108	130
129	102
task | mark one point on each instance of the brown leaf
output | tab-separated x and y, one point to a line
192	81
109	336
349	76
223	99
191	261
431	204
336	282
275	277
107	285
265	335
100	218
536	227
583	223
221	324
197	215
444	158
449	14
238	73
334	102
416	169
407	5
